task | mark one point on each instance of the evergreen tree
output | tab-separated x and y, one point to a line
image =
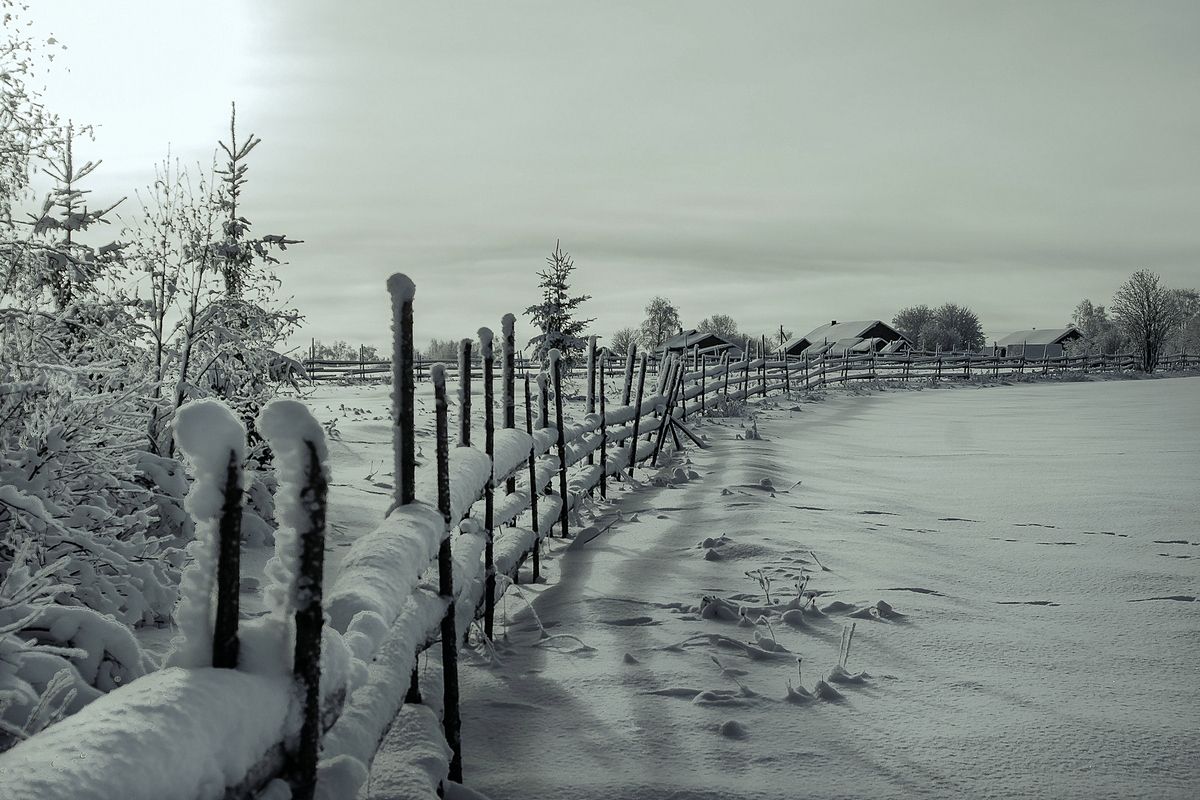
556	316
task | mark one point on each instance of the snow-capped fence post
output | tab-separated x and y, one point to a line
450	718
556	377
703	384
404	454
603	431
213	440
488	359
787	375
533	487
296	438
629	356
510	391
637	416
229	552
728	365
306	666
402	292
464	393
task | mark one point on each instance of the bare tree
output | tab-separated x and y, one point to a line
621	339
721	325
1144	309
662	322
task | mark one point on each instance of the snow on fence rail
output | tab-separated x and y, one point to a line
297	703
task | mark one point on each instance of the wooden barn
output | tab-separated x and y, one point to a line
839	338
1036	343
708	343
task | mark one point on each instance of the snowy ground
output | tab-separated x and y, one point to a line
1041	541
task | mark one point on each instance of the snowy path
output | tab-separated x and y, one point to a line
1013	526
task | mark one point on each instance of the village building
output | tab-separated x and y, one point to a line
707	343
1036	343
840	338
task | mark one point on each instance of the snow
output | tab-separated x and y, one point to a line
296	438
401	288
989	658
485	343
382	567
414	757
127	743
211	438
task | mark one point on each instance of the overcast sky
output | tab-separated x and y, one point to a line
780	162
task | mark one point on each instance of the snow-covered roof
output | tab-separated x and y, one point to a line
694	338
1041	336
835	331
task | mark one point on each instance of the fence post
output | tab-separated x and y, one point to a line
746	374
728	364
603	431
629	356
637	415
450	718
533	487
556	376
703	385
787	375
464	393
510	391
488	362
225	623
306	661
404	456
762	370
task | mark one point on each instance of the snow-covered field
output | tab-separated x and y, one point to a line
1039	540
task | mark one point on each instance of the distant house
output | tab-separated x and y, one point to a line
1036	343
839	338
708	343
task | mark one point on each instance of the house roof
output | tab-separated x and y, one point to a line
1041	336
835	331
694	338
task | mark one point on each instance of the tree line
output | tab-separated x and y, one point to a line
1144	315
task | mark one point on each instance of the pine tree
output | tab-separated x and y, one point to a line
555	316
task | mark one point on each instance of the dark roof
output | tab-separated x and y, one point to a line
694	338
1041	336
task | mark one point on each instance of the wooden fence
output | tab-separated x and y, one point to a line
458	532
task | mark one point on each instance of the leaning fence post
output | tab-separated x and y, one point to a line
533	487
746	374
629	355
450	718
556	376
637	415
488	363
464	393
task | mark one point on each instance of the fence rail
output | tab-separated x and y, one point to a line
458	532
